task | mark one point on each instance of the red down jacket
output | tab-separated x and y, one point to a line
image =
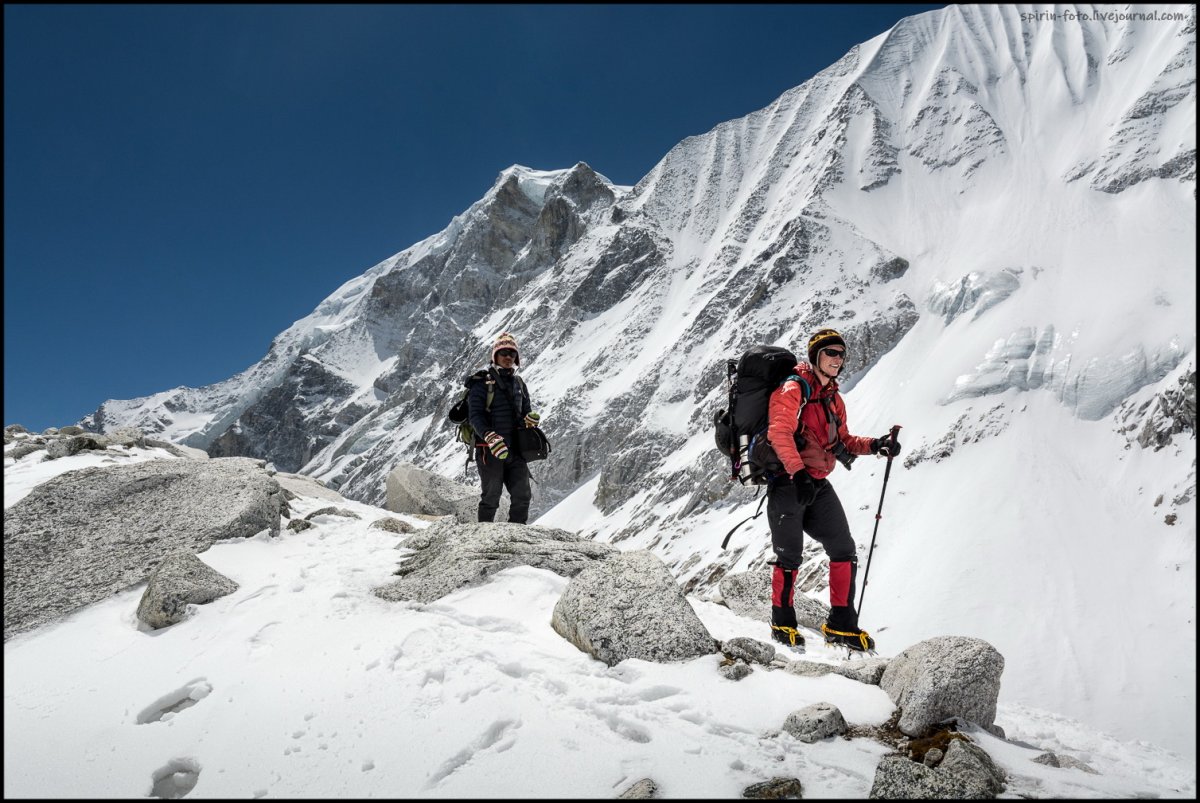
819	432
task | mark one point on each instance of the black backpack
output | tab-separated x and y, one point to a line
459	413
741	429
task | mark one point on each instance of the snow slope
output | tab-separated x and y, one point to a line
303	684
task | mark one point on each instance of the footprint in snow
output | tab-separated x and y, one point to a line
264	591
167	706
657	693
175	779
261	640
498	737
624	728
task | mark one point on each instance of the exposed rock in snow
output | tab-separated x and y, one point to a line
179	581
114	524
1171	412
969	428
451	556
942	678
630	606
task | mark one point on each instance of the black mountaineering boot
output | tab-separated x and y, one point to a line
842	630
789	637
783	615
857	640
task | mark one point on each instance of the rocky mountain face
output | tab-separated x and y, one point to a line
414	315
368	340
895	189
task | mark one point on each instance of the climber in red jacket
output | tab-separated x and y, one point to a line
809	442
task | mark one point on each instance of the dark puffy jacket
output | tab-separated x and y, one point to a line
503	418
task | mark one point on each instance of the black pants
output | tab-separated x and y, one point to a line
496	475
825	521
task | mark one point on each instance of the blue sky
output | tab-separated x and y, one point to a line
182	183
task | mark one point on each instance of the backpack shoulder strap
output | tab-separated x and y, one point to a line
484	374
805	391
524	389
827	401
805	388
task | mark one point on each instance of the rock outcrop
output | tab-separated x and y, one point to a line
630	606
301	485
942	678
450	556
179	581
87	534
815	722
966	772
416	491
749	594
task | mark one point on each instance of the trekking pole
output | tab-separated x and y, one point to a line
878	515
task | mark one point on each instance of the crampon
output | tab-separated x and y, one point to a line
857	642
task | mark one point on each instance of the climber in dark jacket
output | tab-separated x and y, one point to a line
500	465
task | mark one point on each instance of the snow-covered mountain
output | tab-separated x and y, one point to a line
996	209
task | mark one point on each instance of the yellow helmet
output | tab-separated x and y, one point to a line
822	338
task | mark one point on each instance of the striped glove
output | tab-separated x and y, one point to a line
532	420
496	444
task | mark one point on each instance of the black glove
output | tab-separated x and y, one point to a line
806	487
886	446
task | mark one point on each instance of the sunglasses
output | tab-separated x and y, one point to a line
506	353
838	353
